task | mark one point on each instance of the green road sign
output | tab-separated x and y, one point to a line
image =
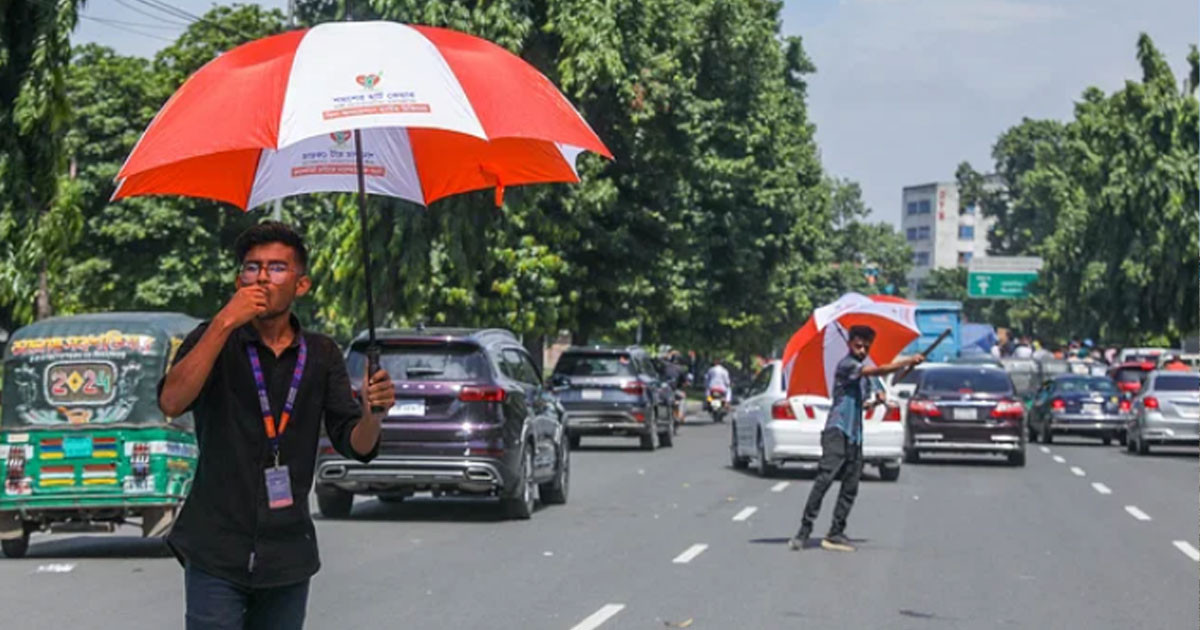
1002	285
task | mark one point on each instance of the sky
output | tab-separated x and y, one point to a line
904	89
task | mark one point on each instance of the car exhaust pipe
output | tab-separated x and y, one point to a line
333	472
479	474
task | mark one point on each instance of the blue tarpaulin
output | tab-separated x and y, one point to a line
978	338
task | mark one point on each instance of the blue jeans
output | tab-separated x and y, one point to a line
217	604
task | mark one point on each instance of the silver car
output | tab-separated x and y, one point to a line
1166	411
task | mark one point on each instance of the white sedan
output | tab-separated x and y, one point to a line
770	429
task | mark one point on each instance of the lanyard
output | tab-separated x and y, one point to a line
285	415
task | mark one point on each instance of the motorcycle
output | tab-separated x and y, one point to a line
715	402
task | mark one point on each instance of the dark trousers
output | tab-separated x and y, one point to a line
839	458
217	604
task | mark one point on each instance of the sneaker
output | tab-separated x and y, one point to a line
797	542
837	542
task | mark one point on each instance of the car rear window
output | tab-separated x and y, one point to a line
1050	368
965	380
580	364
424	362
1129	375
1177	382
1096	385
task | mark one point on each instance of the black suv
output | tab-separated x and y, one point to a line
614	391
471	417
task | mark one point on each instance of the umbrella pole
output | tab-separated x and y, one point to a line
372	346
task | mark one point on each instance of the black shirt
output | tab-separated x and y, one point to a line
225	527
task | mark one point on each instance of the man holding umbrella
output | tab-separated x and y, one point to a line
260	388
841	441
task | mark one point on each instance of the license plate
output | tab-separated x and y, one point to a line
1091	408
591	394
718	403
963	413
408	408
76	446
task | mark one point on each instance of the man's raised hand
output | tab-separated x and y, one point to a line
249	302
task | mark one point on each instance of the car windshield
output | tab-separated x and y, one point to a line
1130	375
965	381
580	364
1143	357
423	362
1177	383
1085	385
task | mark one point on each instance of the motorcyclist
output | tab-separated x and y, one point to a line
718	376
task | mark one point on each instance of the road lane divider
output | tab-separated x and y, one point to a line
1136	513
1059	459
1101	488
594	620
690	554
1187	549
779	487
1045	449
745	513
1077	471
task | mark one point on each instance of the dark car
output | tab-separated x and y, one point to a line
1130	376
1079	405
614	391
965	409
471	417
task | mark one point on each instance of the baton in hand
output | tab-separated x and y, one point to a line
925	353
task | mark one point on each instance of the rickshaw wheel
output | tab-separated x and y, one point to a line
16	547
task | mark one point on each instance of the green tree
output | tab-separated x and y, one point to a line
858	246
39	214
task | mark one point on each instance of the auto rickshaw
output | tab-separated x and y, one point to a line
83	444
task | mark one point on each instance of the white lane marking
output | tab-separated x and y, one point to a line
1136	513
1059	459
1045	449
690	554
600	616
745	513
780	486
58	567
1077	471
1187	549
1101	488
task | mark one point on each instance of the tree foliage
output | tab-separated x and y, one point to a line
1109	201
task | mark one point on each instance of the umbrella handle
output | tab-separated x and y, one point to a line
372	368
932	346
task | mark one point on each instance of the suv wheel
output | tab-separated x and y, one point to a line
521	506
667	438
334	502
1142	447
1047	435
650	439
574	440
1017	458
889	472
765	468
735	460
555	491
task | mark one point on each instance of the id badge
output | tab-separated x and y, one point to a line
279	487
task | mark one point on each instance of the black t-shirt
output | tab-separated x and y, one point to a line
225	527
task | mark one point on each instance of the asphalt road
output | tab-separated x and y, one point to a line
676	538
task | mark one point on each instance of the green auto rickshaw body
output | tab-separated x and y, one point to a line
83	444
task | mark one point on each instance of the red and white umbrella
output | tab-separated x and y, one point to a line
812	354
440	112
414	112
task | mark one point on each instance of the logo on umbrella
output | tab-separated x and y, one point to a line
369	81
340	138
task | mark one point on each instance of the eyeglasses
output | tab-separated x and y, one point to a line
277	272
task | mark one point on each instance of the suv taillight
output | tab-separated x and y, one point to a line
1126	406
1150	402
892	414
634	387
924	408
1058	404
486	393
1008	409
782	410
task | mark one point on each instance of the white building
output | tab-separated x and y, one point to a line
941	232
